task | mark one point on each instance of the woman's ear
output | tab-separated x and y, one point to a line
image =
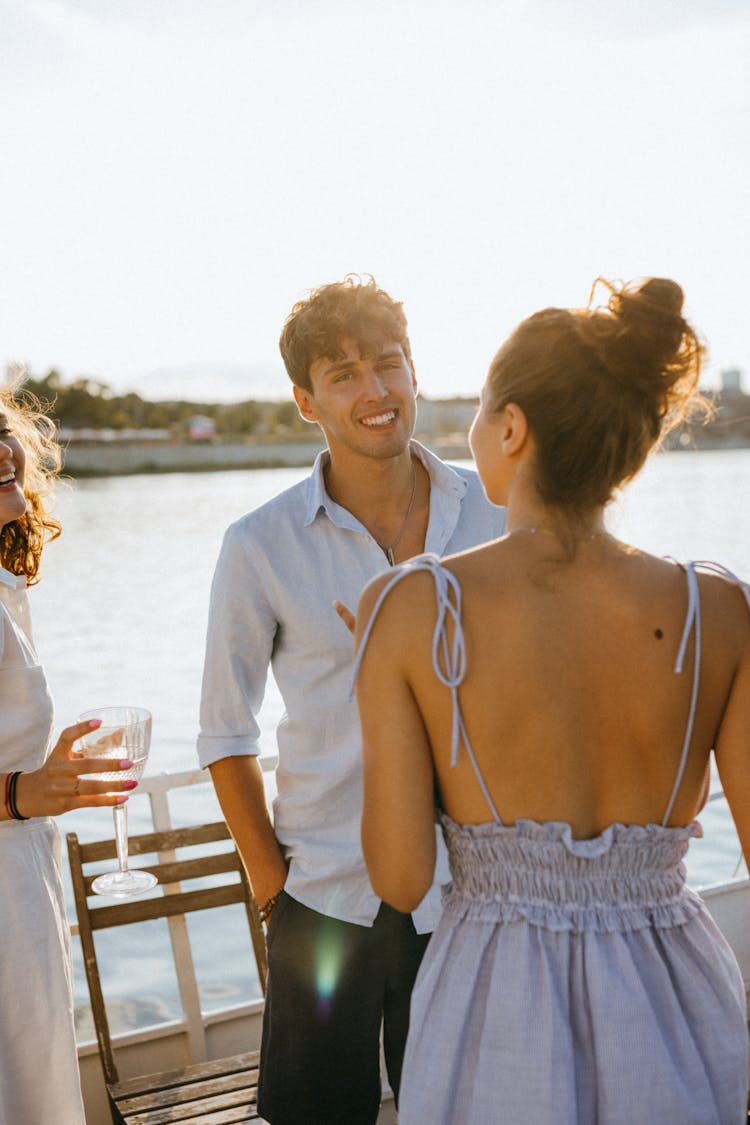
514	429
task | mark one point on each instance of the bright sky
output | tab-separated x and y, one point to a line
174	174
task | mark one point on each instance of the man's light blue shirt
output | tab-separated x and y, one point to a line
279	570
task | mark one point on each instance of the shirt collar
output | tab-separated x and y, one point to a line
442	477
317	496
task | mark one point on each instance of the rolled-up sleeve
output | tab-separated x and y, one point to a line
239	642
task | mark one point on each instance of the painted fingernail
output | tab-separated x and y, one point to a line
131	784
121	800
126	764
94	724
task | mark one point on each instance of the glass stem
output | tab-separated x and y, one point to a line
121	835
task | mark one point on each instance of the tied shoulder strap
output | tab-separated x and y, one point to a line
448	658
724	572
693	624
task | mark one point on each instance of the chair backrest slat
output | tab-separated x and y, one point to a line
180	871
157	841
164	906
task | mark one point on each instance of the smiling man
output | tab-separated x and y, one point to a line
341	963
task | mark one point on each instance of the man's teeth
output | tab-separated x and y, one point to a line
380	419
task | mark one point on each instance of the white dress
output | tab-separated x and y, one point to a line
39	1083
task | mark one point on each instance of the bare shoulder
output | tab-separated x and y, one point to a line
727	602
494	562
721	597
371	593
464	563
407	600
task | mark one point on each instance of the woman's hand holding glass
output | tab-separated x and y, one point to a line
118	731
59	785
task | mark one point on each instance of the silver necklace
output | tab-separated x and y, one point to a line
548	531
389	551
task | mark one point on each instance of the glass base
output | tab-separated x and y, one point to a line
120	884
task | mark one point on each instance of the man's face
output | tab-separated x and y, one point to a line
364	404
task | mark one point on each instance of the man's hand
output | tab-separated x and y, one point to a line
346	616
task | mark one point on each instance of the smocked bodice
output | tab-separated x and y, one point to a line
628	877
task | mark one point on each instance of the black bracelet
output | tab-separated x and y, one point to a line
12	806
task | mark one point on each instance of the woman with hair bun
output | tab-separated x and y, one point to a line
558	693
39	1081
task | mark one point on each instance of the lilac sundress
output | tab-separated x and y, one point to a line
579	982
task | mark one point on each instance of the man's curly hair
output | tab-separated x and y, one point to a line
355	308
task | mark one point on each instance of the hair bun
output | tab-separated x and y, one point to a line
662	292
651	327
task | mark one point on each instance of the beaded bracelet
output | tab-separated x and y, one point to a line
266	910
10	796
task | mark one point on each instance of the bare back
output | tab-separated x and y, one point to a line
570	698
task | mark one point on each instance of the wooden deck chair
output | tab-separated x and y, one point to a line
218	1091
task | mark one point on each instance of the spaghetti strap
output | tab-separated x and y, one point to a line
693	624
448	659
725	572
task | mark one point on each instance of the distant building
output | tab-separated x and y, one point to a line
731	382
441	417
201	428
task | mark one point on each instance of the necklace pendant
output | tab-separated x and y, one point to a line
388	551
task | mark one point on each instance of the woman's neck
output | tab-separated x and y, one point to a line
568	527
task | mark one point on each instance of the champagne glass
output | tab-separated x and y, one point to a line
125	732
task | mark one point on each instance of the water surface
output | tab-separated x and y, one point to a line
120	617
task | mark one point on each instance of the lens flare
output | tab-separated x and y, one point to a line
328	964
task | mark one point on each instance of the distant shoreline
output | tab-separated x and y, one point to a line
94	459
99	459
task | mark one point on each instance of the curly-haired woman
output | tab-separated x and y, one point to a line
39	1081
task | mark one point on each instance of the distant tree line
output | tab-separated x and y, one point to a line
89	403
